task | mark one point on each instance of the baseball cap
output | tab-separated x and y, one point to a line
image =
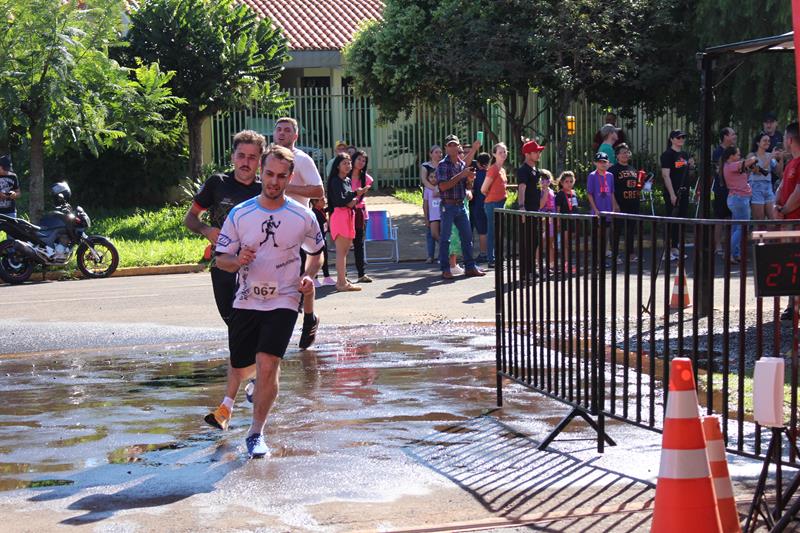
770	117
674	134
5	162
531	146
340	144
451	139
601	156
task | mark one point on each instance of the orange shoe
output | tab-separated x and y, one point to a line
219	418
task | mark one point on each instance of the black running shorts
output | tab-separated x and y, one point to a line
251	332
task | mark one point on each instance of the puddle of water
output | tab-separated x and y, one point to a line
81	415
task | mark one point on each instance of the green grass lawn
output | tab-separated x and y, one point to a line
149	237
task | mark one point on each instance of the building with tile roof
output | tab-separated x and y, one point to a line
317	31
327	109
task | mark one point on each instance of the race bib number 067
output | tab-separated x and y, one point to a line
265	290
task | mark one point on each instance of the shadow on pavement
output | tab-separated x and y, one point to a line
160	477
507	474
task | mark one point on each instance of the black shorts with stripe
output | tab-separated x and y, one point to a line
251	332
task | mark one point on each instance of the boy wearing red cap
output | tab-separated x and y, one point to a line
528	199
528	175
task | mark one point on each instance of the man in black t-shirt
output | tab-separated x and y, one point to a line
528	199
529	193
675	169
727	137
628	194
9	188
219	194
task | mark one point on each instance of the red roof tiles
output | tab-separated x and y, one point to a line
318	24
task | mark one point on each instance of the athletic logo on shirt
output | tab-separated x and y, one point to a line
223	240
318	238
268	227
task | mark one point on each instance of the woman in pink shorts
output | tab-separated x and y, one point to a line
341	203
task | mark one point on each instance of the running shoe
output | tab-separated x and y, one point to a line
219	417
256	447
457	271
249	389
309	332
328	281
365	279
317	283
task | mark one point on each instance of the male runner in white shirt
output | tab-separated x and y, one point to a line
261	240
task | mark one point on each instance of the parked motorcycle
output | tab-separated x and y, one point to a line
52	243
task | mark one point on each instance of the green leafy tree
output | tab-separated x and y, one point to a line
223	56
59	85
488	51
746	88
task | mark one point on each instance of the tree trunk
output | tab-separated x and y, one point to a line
195	124
36	189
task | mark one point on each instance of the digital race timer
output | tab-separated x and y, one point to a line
777	269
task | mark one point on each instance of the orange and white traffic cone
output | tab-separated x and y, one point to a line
718	463
685	500
675	300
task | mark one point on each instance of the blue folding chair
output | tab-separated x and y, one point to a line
380	229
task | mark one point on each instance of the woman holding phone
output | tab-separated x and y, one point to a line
494	188
359	179
342	200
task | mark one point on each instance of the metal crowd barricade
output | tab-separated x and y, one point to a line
598	334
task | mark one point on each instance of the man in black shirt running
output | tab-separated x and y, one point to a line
219	194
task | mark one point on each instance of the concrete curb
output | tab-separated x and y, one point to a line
130	271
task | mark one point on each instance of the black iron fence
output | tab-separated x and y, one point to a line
590	310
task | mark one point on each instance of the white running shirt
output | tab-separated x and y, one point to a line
270	281
305	173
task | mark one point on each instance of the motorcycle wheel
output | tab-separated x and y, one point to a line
101	266
14	268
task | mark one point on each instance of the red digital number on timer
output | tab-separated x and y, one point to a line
770	279
776	270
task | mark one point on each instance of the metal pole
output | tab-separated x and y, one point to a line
704	303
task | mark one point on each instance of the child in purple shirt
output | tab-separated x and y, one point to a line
600	190
600	186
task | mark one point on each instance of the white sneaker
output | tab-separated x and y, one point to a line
317	283
457	271
328	281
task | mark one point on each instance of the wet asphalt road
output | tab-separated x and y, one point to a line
364	432
388	423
